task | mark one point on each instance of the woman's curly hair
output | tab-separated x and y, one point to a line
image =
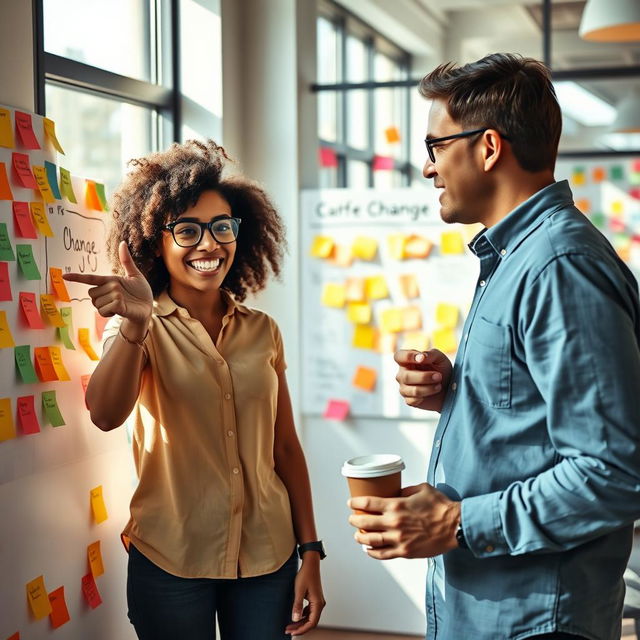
163	185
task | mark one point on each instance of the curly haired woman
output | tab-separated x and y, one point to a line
223	493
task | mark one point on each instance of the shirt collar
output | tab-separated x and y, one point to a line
505	236
164	305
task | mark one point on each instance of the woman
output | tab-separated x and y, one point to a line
223	491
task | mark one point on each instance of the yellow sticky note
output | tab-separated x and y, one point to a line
50	132
417	340
7	426
365	248
40	219
445	340
417	247
341	256
49	310
447	315
385	342
364	336
376	288
38	598
617	207
409	286
365	378
359	312
451	243
85	342
322	247
395	245
355	290
97	505
6	130
411	319
95	559
43	183
391	320
58	365
578	178
6	339
333	295
58	285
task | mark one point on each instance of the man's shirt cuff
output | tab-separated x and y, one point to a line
482	526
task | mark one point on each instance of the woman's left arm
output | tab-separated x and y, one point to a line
291	467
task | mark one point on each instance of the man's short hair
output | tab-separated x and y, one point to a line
506	92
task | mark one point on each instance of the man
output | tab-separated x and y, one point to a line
534	478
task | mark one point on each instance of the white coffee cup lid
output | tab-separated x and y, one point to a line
372	466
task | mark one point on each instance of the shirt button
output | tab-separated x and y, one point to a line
220	361
503	252
437	443
230	433
454	386
227	396
489	548
482	283
236	471
466	337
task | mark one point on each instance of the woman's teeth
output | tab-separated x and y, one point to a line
205	265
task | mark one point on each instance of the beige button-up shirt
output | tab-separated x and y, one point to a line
209	502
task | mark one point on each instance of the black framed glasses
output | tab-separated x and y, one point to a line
188	233
431	142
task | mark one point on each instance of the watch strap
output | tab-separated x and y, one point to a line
316	545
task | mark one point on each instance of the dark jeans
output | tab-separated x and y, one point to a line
165	607
557	636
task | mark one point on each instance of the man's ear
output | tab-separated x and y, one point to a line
492	149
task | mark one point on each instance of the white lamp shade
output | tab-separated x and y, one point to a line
628	115
611	21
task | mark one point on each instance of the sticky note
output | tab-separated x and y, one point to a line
355	290
417	340
90	591
359	312
30	310
22	170
336	410
67	316
38	599
24	128
411	318
616	172
328	157
52	178
382	163
376	288
91	196
85	343
59	613
333	295
64	336
417	247
392	134
385	342
322	247
98	507
7	428
24	365
364	336
42	180
58	364
364	248
58	285
578	177
95	559
101	322
598	174
102	196
409	286
447	315
341	256
395	245
15	636
5	189
49	310
22	222
583	204
50	133
5	282
44	367
6	339
84	381
451	243
66	188
64	333
51	409
445	340
6	130
391	320
27	418
617	207
27	262
40	219
365	378
6	250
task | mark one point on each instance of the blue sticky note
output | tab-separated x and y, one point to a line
52	177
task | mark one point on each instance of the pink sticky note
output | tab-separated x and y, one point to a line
84	381
5	282
635	166
382	163
634	192
336	410
24	128
90	591
101	321
328	157
22	171
30	310
23	224
27	418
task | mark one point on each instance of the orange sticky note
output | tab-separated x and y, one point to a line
336	410
445	340
364	336
24	127
451	243
598	174
90	591
6	130
39	218
409	286
15	636
359	312
392	134
411	319
49	310
364	248
355	290
30	310
5	189
6	339
333	295
447	315
98	507
58	365
391	320
59	613
43	183
385	342
376	288
50	133
584	205
38	599
44	367
85	343
365	378
395	245
91	196
95	559
7	427
417	247
341	256
417	340
58	285
322	247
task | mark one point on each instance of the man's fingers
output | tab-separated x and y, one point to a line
367	523
87	278
372	504
126	260
407	357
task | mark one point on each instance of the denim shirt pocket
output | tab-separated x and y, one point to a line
488	363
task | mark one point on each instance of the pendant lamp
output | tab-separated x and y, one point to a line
611	21
628	113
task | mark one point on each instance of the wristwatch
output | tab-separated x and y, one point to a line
316	545
462	543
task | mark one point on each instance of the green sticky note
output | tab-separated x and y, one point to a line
24	364
598	219
102	196
51	409
65	338
6	250
66	188
616	172
27	262
67	318
634	178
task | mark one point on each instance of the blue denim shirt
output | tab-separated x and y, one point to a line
540	434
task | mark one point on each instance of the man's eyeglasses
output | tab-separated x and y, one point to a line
432	142
188	233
